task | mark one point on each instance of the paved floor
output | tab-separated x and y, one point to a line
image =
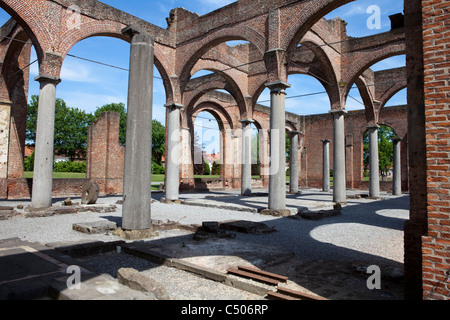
317	256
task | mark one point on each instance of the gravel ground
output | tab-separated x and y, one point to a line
180	285
366	230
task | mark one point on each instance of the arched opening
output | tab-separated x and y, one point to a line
208	146
385	153
18	60
255	146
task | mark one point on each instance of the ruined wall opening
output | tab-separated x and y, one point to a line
385	153
208	146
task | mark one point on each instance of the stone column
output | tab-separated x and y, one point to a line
326	165
45	131
173	151
339	184
264	159
277	170
246	171
397	174
294	161
374	171
5	120
136	212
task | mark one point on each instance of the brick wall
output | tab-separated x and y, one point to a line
436	243
320	127
105	155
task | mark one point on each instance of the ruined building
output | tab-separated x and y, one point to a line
284	37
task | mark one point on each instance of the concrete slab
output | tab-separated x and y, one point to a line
31	271
94	227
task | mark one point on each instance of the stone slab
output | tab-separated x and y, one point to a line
95	227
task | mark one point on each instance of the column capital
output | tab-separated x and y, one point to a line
294	132
46	78
277	86
338	112
396	139
373	126
325	141
246	121
131	31
174	105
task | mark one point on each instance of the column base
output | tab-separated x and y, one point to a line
167	201
135	234
278	212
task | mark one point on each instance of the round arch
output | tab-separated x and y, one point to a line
218	80
222	117
307	19
28	21
202	46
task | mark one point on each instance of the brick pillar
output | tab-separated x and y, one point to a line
436	243
105	154
416	226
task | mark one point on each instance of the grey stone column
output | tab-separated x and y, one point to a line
339	183
277	170
326	165
246	166
374	171
294	161
136	212
45	131
397	174
173	151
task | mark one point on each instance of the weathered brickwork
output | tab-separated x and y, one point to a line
274	30
436	243
105	155
320	127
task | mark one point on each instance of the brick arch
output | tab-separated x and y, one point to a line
222	117
367	98
326	74
290	127
393	91
11	71
24	14
14	88
220	80
364	63
113	30
305	18
202	46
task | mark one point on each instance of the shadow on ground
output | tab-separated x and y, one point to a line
293	250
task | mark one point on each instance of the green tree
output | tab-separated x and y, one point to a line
158	141
206	169
120	108
385	149
215	168
71	126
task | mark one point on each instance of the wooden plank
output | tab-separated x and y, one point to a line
298	294
264	273
252	276
279	296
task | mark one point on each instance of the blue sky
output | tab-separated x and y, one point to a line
88	86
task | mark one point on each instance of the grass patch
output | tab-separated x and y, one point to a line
59	175
208	176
